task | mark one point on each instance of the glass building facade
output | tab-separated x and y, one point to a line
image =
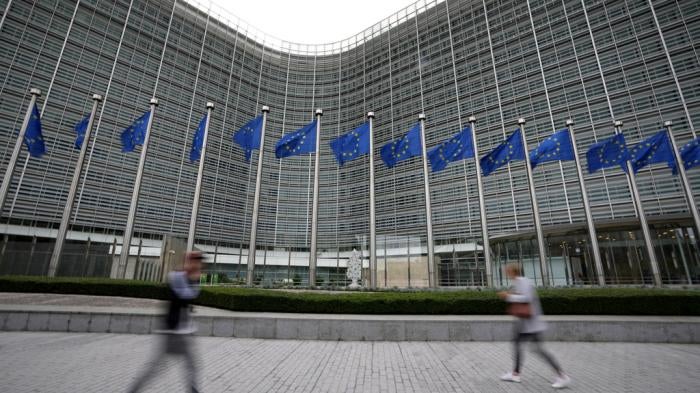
544	60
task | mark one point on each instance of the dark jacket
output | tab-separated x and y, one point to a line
182	291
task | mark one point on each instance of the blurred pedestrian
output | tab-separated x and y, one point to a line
183	287
524	304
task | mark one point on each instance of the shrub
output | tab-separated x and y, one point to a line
581	301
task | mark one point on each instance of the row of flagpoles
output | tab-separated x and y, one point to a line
560	146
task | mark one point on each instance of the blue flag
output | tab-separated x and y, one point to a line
652	150
80	129
690	154
351	145
608	153
403	148
298	142
248	136
458	147
198	140
33	137
511	149
557	147
135	134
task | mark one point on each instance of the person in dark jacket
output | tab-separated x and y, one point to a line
183	287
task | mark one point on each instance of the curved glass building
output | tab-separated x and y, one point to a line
544	60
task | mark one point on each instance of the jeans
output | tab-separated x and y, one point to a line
537	342
173	344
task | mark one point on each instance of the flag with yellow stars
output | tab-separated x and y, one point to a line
511	149
403	148
298	142
607	153
458	147
690	154
135	134
80	129
248	136
33	137
351	145
198	140
557	147
653	150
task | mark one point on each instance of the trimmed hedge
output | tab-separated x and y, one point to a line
83	286
561	301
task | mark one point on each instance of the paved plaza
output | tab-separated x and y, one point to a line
91	362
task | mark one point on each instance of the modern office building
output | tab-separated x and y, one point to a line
544	60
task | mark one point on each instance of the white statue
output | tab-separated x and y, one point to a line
354	271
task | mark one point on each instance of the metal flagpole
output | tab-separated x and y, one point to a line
256	201
684	178
372	215
587	208
128	231
7	180
65	220
314	208
482	206
432	279
544	268
198	186
642	217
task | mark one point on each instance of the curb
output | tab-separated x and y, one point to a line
363	327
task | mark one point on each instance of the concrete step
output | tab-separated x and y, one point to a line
346	327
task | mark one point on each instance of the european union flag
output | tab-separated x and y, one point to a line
652	150
511	149
690	154
298	142
351	145
80	129
458	147
33	137
557	147
608	153
198	140
403	148
248	136
135	134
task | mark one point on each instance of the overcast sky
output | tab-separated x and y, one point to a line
311	21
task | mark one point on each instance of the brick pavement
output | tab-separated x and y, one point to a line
72	362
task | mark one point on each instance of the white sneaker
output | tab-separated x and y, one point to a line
561	382
510	377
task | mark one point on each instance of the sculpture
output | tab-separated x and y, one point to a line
354	271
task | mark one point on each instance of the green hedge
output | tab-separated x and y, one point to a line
582	301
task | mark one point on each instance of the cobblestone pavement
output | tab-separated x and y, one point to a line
71	362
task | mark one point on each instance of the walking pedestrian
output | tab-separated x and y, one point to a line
183	287
524	304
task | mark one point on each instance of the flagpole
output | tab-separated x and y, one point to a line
428	211
684	178
482	206
642	217
128	231
68	208
256	201
372	215
544	269
198	186
314	208
587	207
7	180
